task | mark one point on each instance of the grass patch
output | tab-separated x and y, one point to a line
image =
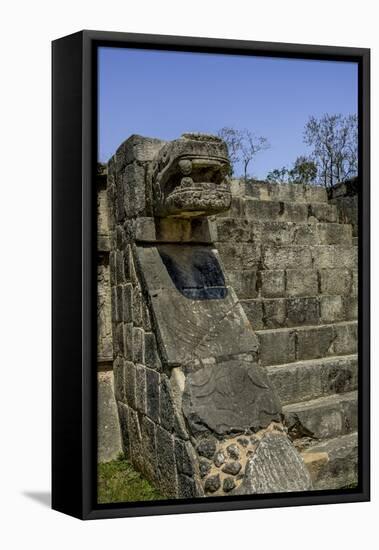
117	481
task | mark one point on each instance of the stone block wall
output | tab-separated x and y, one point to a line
154	438
186	379
108	428
345	196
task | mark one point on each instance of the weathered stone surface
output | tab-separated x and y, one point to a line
301	282
314	378
123	415
152	359
275	467
179	172
232	468
177	317
153	391
219	459
331	309
228	484
187	487
108	429
287	257
233	451
229	397
325	417
130	383
212	483
243	282
141	396
104	314
207	447
208	322
185	457
336	281
346	338
150	450
333	464
138	345
119	379
136	445
245	255
277	346
204	466
334	256
167	474
272	283
302	311
315	342
174	230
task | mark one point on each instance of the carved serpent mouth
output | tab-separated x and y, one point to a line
196	186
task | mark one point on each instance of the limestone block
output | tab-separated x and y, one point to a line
301	282
130	384
277	346
332	309
141	395
275	467
167	473
193	328
104	314
108	428
302	311
315	342
153	393
272	283
287	257
335	281
229	397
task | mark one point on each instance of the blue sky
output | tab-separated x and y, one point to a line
163	94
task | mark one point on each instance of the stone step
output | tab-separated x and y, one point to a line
282	233
288	345
305	380
264	191
295	311
333	464
255	256
288	211
323	418
279	283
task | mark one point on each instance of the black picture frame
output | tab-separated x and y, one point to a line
74	152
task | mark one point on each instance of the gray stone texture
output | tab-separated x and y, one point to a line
281	289
108	428
275	467
228	398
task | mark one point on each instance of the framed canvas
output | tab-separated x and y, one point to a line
210	274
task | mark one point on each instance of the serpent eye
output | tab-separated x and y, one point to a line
185	166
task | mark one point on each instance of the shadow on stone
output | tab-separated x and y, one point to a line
195	272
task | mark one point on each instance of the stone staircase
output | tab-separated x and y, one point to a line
294	268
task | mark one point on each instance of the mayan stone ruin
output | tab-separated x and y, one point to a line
227	324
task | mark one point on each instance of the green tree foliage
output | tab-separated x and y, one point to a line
303	171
